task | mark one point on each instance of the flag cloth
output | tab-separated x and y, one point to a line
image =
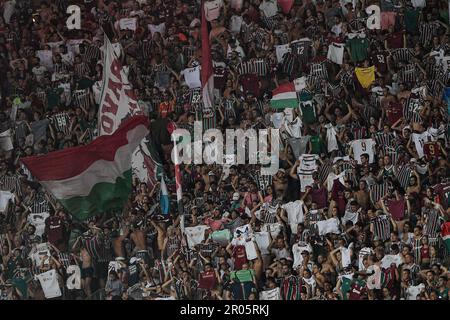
365	76
446	94
446	235
284	96
286	5
118	99
207	74
91	179
146	163
164	198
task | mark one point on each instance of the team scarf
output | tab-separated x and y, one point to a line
91	179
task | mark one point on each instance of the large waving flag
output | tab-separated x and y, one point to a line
207	74
284	96
95	178
164	198
118	99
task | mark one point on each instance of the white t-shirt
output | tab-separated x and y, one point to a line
195	235
39	72
328	226
236	23
49	284
419	140
273	228
277	119
192	77
346	255
336	53
273	294
374	281
39	252
350	216
294	210
413	291
269	8
419	3
97	91
363	146
5	196
331	137
160	28
389	259
38	221
297	253
294	128
250	250
212	9
67	57
263	240
362	253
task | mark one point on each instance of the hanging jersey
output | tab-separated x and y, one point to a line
365	76
419	140
431	150
380	61
363	146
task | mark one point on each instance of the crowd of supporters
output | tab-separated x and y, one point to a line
356	210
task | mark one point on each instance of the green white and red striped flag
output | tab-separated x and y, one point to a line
445	233
95	178
284	96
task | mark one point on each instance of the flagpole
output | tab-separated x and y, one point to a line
179	190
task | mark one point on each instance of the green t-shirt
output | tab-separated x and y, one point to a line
412	21
443	295
346	284
85	83
308	112
54	97
21	284
317	144
358	48
443	16
243	275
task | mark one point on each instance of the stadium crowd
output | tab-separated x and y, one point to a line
357	209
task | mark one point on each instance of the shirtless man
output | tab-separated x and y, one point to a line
87	269
138	237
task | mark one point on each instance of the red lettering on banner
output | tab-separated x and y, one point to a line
115	87
130	94
115	69
109	105
107	124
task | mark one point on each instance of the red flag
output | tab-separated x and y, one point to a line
286	5
207	74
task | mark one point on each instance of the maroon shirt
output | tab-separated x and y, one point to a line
394	111
207	280
397	208
250	83
395	40
54	228
319	196
240	257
